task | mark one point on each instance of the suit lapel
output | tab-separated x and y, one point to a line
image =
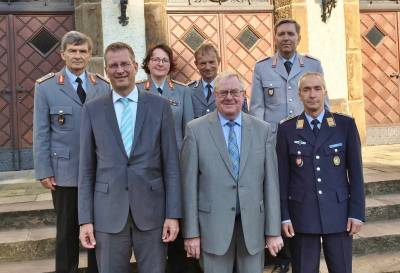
111	117
324	133
198	93
68	89
140	116
295	68
245	142
219	140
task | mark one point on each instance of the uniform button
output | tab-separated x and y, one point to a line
317	157
290	198
290	112
298	152
54	154
233	208
336	150
319	192
318	169
319	179
208	110
290	100
289	87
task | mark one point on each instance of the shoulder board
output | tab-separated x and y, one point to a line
101	77
311	57
264	59
141	81
344	115
45	78
177	82
286	119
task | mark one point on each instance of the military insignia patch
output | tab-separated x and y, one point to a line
300	124
336	160
331	122
270	92
61	117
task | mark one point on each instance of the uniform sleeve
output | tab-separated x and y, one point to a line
189	168
282	152
170	165
271	189
41	135
355	173
257	106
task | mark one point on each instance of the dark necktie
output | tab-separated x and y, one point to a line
80	91
159	90
208	92
315	129
288	66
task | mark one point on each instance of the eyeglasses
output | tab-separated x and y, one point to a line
159	60
224	93
124	66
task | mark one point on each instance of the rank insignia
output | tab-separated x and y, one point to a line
61	117
147	85
336	160
331	122
300	124
270	92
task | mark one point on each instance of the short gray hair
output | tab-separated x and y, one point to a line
75	38
227	75
307	74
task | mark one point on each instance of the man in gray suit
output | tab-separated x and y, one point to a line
129	182
230	185
207	61
58	102
274	95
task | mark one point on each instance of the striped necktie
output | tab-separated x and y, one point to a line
126	126
233	148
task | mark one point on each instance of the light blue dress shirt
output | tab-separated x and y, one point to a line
292	59
237	128
72	79
205	89
159	86
119	106
319	118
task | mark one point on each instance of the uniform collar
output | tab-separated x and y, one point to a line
72	77
319	118
292	59
212	83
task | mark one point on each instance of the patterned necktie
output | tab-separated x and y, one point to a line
315	129
80	91
159	90
288	66
233	148
208	92
126	126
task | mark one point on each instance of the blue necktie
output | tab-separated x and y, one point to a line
126	126
233	150
315	130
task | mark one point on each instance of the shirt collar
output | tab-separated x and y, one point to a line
292	59
224	121
319	118
72	77
212	83
156	85
133	96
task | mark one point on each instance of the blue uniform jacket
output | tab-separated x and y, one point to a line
321	179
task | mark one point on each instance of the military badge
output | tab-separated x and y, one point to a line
270	92
299	162
336	160
331	122
300	124
61	117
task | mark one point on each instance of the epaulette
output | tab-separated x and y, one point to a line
344	115
178	82
286	119
264	59
101	77
45	77
311	57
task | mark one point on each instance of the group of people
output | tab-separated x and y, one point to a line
182	173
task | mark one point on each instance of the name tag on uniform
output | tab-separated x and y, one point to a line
299	142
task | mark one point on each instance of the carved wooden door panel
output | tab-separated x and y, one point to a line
380	53
241	38
33	51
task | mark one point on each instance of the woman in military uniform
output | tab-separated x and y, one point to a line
159	64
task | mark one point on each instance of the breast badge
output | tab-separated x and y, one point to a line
336	160
61	117
270	92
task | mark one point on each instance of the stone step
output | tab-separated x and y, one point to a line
378	237
379	187
383	207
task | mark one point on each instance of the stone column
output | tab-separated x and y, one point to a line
354	64
88	19
156	22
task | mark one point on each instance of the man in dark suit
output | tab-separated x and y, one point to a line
321	182
59	98
129	183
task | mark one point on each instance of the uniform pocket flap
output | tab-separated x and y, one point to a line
101	187
66	110
204	207
342	195
156	184
271	84
296	195
333	150
60	152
